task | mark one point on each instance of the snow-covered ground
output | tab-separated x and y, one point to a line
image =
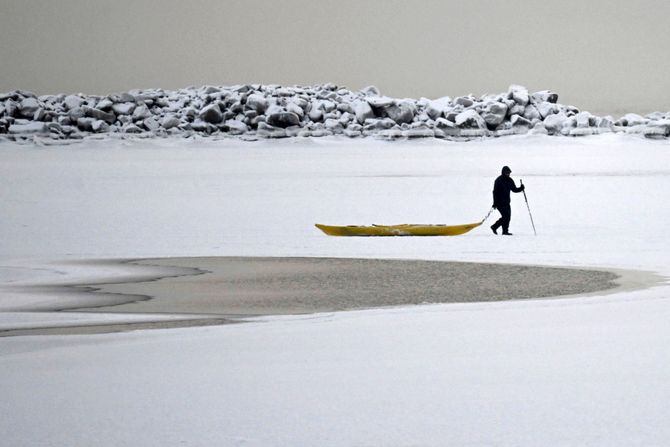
578	371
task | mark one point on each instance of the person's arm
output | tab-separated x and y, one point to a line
514	188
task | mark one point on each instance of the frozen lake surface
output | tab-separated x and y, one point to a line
578	371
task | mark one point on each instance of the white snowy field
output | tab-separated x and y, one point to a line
572	371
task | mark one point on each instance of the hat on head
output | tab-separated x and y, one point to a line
506	170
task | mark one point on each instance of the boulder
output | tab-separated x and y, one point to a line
346	118
345	107
236	127
494	114
657	129
519	94
434	110
268	131
517	109
283	119
141	112
170	121
34	128
379	102
85	123
326	106
300	102
315	115
109	117
151	123
258	103
583	119
211	114
363	111
545	96
402	112
605	122
294	108
99	126
554	123
546	108
11	108
41	115
334	126
518	120
470	119
379	124
284	92
464	101
531	113
104	104
132	128
370	90
28	107
76	113
125	108
210	89
632	119
72	102
127	97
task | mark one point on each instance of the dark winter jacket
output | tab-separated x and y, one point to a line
501	189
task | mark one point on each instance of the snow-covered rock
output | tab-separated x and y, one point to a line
545	96
236	127
531	113
125	108
495	113
140	113
72	102
402	112
109	117
29	128
283	119
104	104
633	119
28	107
470	119
274	111
258	103
211	114
464	101
546	108
170	121
99	126
554	123
363	111
519	94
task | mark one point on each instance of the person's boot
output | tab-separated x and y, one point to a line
507	233
494	229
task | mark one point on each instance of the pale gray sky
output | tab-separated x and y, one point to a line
599	55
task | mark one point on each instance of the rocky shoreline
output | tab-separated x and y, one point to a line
273	111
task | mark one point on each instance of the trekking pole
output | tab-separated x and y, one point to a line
528	206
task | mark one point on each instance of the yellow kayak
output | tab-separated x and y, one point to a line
397	230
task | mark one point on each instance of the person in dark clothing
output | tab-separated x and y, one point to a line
501	200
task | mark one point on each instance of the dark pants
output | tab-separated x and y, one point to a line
505	216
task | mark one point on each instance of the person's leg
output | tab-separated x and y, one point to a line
498	223
506	213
